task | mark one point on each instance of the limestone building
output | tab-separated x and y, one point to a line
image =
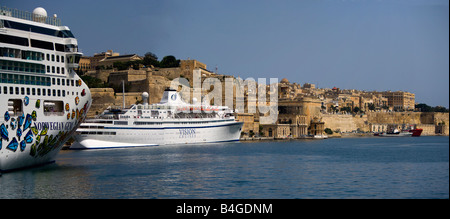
400	100
94	60
108	62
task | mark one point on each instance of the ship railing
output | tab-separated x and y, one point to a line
29	16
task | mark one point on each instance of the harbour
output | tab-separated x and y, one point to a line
135	126
344	168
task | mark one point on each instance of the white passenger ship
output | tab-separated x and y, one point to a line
172	121
43	100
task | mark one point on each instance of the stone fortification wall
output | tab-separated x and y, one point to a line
428	129
169	73
431	123
397	118
345	123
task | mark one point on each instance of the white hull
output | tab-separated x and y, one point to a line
154	135
402	134
320	136
42	99
35	137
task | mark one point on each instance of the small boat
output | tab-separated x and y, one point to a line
396	133
416	132
320	136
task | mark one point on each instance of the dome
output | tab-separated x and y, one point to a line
39	15
39	11
145	98
284	80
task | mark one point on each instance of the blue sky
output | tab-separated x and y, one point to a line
351	44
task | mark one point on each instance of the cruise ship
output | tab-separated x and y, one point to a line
171	121
43	100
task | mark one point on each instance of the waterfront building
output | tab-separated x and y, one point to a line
251	124
292	118
317	127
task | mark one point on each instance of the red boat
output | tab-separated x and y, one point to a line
416	132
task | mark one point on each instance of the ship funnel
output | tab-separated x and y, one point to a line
145	98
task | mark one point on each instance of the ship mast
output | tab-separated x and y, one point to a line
123	93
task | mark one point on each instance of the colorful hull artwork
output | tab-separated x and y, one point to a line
33	136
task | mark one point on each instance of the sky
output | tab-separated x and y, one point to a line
350	44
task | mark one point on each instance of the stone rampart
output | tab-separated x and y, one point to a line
345	123
431	123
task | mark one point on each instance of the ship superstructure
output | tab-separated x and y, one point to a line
43	100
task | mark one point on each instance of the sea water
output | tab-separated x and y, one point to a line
337	168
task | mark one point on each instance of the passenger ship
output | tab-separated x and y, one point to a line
43	100
172	121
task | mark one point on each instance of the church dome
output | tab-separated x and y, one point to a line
285	81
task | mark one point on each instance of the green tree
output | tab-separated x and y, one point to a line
346	109
120	65
440	109
150	59
169	62
424	107
125	65
92	82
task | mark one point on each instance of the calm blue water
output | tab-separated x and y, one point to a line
332	168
